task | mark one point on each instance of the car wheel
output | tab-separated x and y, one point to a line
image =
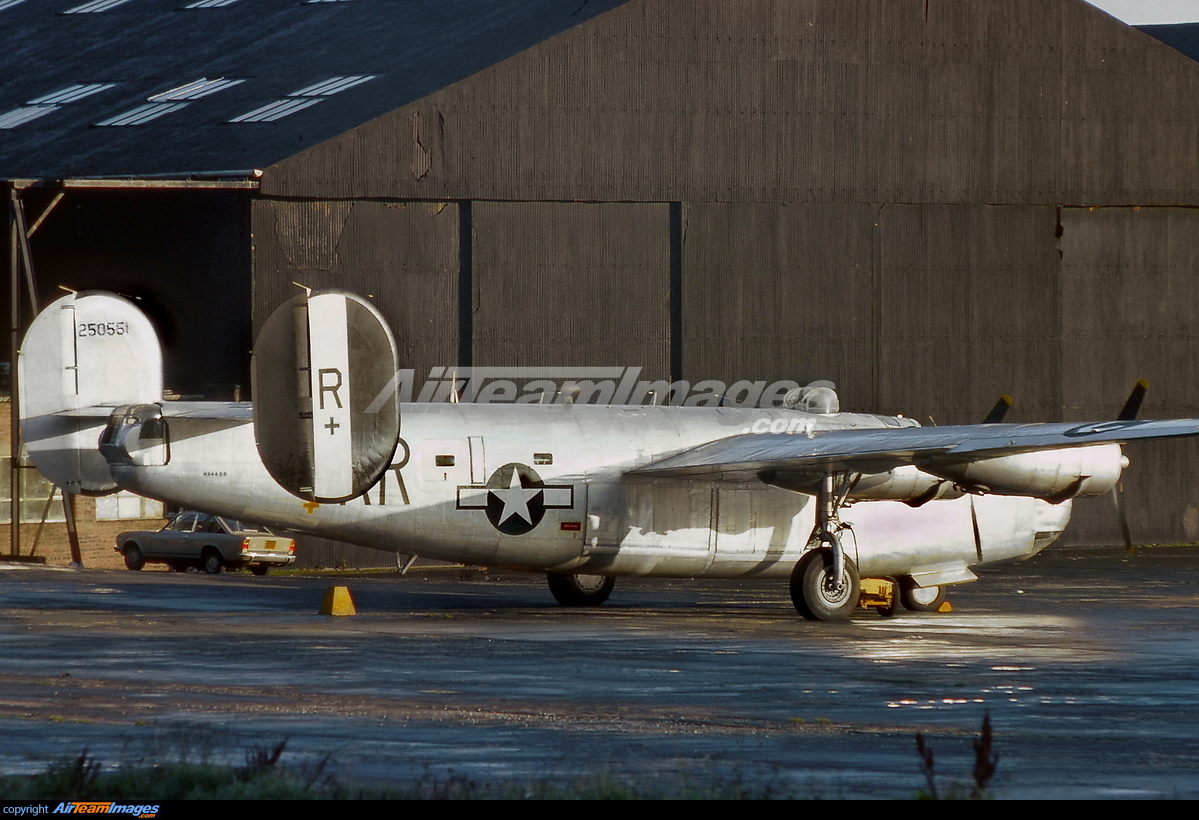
211	562
133	557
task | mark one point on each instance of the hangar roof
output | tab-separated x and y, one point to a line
1182	36
177	87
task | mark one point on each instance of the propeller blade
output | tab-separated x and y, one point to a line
1131	408
999	410
1118	501
1133	405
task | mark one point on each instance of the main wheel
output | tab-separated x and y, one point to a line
211	562
816	594
580	590
920	599
133	557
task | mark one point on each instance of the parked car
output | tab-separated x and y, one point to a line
210	542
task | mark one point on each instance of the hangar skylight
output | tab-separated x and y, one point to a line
142	114
22	115
210	4
50	102
304	98
194	90
332	86
8	4
72	93
165	102
96	6
276	110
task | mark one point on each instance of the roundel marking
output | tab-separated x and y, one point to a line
517	498
1101	428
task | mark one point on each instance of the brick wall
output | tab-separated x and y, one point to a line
49	540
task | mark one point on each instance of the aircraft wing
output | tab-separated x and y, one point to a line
881	449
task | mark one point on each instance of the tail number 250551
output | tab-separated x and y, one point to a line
85	329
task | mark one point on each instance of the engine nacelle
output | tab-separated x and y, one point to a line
907	483
1054	475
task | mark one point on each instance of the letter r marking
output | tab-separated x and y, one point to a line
329	386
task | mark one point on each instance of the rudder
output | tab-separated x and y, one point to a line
84	354
326	417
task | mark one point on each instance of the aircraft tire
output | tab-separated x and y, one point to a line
133	557
920	599
211	562
811	594
580	590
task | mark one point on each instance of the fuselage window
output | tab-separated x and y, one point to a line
444	461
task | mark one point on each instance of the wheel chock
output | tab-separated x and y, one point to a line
338	602
945	607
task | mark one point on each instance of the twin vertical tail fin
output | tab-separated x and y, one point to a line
326	414
84	355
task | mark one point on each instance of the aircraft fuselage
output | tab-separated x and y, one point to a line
546	488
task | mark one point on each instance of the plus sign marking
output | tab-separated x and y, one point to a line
515	499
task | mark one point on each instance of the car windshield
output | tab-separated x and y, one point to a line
233	525
183	522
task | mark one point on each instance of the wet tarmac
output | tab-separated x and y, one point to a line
1086	661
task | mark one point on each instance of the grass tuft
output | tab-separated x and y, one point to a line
265	777
985	762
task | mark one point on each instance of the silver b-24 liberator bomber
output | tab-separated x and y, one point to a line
583	493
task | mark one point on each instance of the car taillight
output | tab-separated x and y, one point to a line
245	544
291	550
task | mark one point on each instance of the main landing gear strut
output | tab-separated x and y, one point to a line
824	583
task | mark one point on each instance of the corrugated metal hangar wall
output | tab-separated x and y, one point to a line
929	202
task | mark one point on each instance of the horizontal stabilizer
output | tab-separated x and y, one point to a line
85	352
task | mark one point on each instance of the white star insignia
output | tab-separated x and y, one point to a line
515	499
